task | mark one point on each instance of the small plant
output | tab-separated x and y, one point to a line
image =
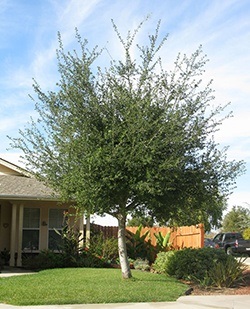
162	242
5	256
141	264
71	239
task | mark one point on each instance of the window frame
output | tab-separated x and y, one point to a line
31	228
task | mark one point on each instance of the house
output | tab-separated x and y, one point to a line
29	214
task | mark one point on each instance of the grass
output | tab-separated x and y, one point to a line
86	286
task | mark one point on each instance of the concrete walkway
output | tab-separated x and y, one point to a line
184	302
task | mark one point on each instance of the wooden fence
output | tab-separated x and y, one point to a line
181	237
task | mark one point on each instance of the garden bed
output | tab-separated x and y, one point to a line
242	288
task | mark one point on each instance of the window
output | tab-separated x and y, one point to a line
31	229
56	221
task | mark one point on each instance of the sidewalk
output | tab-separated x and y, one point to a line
184	302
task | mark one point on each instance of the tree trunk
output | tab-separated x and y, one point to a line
122	248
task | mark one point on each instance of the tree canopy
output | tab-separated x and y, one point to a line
131	136
236	220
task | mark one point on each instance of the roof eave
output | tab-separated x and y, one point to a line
29	198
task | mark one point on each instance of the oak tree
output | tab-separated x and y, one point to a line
130	136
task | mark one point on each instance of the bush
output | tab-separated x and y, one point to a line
105	248
225	274
141	264
88	259
138	247
246	233
5	257
193	264
46	259
161	263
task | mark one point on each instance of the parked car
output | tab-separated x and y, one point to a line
208	242
232	243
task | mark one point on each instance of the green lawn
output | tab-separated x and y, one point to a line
88	285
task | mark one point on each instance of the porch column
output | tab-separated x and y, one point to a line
13	235
20	236
87	231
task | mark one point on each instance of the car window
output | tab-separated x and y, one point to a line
218	237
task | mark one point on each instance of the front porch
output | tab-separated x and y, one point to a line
28	227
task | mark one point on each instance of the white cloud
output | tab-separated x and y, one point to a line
12	157
239	198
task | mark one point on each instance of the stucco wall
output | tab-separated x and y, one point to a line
5	223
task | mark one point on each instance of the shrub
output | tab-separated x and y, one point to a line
225	274
193	264
105	248
46	259
88	259
141	264
138	247
5	256
246	233
161	263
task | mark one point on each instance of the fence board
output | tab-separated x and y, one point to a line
181	237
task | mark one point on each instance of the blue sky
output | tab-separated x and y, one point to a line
28	40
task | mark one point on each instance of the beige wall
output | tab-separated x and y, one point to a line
5	224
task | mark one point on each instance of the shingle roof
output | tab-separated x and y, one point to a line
18	187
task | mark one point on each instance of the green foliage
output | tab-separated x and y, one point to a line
225	274
132	134
5	257
137	246
163	243
236	220
105	248
161	262
141	264
71	241
136	134
47	259
145	221
193	264
246	233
